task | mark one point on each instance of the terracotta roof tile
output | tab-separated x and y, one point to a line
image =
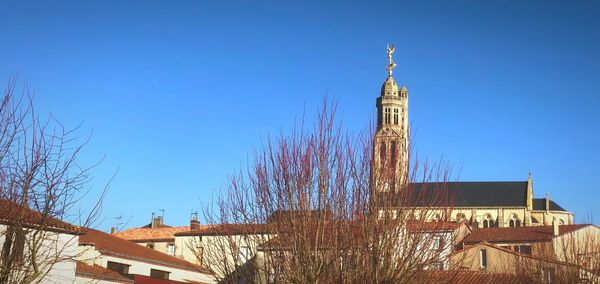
98	272
151	234
474	246
455	276
109	244
519	234
12	213
227	229
433	226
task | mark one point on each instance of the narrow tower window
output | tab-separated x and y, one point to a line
395	116
387	115
382	155
393	151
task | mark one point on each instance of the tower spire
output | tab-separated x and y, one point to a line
391	64
391	139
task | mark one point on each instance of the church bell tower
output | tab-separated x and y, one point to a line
390	148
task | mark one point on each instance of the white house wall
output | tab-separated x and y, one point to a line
57	254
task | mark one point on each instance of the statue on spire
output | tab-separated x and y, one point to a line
392	64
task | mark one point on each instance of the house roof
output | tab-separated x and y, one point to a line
348	234
487	244
227	229
519	234
111	245
294	215
98	272
161	234
433	226
456	276
15	214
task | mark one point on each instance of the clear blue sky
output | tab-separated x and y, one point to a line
178	92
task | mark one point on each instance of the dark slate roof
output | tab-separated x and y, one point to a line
466	194
540	204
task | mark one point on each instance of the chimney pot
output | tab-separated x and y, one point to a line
194	224
157	221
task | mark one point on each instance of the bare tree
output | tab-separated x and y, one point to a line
40	183
307	210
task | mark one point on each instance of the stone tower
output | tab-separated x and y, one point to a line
390	148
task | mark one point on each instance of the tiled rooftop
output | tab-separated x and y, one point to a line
163	234
519	234
99	273
111	245
11	213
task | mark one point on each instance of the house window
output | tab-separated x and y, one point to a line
171	249
159	274
14	244
438	243
120	268
525	249
245	254
483	258
548	275
199	255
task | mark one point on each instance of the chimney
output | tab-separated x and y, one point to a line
555	229
194	223
113	230
157	221
547	202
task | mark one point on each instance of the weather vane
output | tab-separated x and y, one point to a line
392	64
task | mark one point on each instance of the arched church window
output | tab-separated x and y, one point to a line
437	217
488	222
561	222
514	221
382	154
